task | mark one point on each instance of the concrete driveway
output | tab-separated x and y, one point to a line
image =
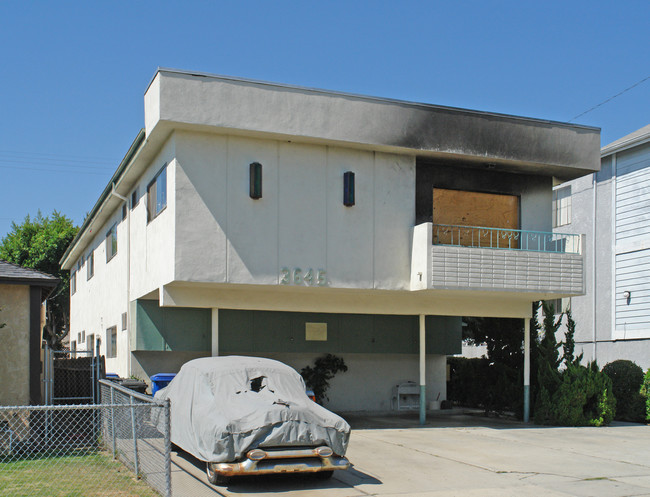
460	455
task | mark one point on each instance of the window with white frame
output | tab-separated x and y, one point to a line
124	320
111	342
562	206
73	346
157	194
90	265
111	243
73	283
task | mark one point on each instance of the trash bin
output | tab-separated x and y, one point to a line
135	385
160	381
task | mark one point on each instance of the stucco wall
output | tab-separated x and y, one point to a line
14	345
224	236
100	301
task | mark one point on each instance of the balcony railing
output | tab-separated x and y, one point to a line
498	238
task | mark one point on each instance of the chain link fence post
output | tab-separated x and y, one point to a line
135	440
168	448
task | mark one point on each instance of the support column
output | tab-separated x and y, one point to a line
215	332
423	363
526	370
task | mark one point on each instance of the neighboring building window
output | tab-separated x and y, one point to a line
157	194
559	305
82	336
124	208
111	342
124	321
90	265
73	346
73	283
111	243
562	206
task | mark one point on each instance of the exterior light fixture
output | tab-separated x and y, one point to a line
628	296
348	189
256	180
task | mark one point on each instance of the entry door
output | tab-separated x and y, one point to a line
481	210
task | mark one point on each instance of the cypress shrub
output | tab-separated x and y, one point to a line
627	380
645	392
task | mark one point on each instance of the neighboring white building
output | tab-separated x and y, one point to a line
263	219
612	207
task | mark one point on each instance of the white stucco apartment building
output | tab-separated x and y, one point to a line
263	219
612	208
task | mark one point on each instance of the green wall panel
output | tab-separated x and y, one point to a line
264	331
172	328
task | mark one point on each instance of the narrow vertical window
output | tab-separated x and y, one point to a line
157	194
90	265
111	243
73	283
111	342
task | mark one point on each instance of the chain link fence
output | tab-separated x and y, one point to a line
119	447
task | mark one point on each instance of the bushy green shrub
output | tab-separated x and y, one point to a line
583	397
627	379
493	386
645	392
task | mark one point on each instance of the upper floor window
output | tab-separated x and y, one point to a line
562	206
111	243
73	283
157	194
90	265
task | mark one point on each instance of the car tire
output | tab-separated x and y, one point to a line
324	475
215	478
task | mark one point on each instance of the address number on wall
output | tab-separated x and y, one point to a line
307	277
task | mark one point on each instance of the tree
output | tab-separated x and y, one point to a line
39	244
504	338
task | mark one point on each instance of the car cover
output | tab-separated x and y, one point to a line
221	407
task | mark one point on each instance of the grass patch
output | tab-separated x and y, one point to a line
83	475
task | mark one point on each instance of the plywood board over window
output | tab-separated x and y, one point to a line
476	209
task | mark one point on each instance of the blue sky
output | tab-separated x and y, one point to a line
73	74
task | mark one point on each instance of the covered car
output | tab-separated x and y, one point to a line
250	415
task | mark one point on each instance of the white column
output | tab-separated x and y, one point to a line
423	376
526	370
215	332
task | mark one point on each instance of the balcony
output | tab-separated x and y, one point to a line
450	257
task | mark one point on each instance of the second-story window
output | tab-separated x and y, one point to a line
157	194
73	283
562	206
111	243
90	265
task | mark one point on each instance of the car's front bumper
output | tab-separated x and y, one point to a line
287	460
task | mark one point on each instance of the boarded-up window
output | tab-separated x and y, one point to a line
457	209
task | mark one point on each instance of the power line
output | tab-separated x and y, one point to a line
609	99
59	156
54	170
59	164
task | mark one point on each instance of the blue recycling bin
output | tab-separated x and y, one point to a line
160	381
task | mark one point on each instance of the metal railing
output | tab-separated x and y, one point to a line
498	238
87	449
